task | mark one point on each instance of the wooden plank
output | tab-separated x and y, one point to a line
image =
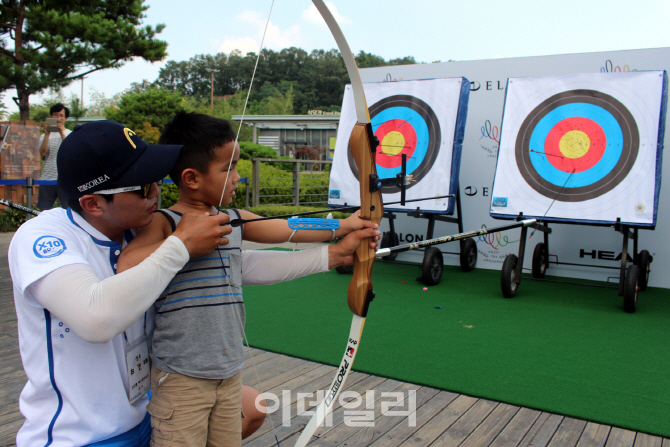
620	437
8	432
424	413
594	435
462	428
387	420
430	431
568	433
542	430
345	419
517	428
645	440
489	429
284	418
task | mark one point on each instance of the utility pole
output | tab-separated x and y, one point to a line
211	95
82	91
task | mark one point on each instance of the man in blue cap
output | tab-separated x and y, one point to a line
83	329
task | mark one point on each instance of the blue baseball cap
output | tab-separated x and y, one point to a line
99	154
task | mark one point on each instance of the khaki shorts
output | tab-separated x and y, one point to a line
187	411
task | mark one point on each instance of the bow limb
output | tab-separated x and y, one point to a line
362	145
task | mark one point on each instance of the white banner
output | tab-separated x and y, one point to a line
580	148
598	246
418	118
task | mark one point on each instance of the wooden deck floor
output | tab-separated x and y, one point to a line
442	418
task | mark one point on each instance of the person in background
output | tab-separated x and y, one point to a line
49	144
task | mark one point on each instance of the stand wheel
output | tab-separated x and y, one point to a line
508	277
468	255
644	262
431	269
390	240
345	269
539	261
630	288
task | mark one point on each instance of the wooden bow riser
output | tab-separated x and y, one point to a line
359	293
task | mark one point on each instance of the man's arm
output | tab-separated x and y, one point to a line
44	144
270	267
98	310
151	237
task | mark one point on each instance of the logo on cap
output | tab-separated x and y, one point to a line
128	133
92	183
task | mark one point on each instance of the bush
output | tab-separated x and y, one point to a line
11	219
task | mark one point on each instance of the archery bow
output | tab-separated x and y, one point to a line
362	145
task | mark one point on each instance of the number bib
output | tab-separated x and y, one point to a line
139	368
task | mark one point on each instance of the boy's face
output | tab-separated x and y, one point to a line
227	157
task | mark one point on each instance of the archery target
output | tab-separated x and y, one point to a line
577	145
420	119
581	147
407	125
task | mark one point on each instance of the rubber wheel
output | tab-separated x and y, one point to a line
643	263
345	269
468	255
390	240
431	269
507	277
630	288
539	261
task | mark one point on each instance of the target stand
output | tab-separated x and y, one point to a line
432	264
420	125
632	278
582	149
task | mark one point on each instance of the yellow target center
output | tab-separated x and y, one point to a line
574	144
393	143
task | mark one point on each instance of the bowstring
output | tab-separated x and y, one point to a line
230	164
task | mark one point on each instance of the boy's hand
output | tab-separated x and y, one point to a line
202	233
342	253
352	223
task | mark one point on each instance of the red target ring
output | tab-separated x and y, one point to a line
575	144
396	137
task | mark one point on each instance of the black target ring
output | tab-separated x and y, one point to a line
629	146
428	146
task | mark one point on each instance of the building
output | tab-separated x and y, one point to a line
288	133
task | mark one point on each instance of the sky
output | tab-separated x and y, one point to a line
428	30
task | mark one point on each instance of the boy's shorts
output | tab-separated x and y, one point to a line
188	411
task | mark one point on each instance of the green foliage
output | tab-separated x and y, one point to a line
366	60
289	81
249	150
11	219
76	110
276	184
99	102
144	110
169	195
64	40
278	210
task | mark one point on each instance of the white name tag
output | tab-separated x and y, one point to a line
139	369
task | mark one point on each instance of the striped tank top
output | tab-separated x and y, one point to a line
200	315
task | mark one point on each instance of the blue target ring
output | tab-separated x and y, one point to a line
606	164
422	137
620	152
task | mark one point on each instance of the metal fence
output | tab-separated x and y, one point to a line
289	182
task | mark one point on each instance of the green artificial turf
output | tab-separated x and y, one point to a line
568	349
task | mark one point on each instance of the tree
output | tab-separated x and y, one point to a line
49	43
76	110
146	112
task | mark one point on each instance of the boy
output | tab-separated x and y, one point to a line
197	344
